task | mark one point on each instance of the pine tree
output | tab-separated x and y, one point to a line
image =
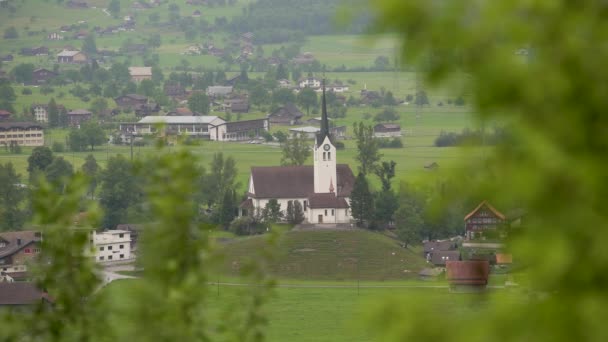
361	201
53	113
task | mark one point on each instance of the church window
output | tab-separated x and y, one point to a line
332	212
305	205
328	155
325	212
324	155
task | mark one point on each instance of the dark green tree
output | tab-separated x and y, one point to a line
91	169
368	153
388	114
259	96
295	150
199	103
77	141
361	201
58	173
421	98
39	160
88	45
12	195
120	190
294	213
272	211
307	98
282	72
23	73
409	218
283	96
386	171
99	106
114	8
220	179
11	33
227	209
93	133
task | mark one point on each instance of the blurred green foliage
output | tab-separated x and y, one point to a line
537	65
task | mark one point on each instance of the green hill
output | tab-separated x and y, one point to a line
328	255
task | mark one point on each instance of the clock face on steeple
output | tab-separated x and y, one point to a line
326	147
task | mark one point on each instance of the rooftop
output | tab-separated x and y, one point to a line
154	119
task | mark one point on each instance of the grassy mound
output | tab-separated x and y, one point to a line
328	255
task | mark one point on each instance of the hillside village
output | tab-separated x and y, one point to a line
258	172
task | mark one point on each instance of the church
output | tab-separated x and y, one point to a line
323	189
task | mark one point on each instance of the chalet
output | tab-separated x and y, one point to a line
387	130
440	258
239	106
5	115
42	76
22	294
81	34
17	249
54	36
130	101
484	220
139	74
289	114
6	58
214	51
174	90
196	14
309	82
21	133
305	58
40	112
429	247
369	96
181	111
337	88
36	51
78	116
69	56
150	108
219	91
284	83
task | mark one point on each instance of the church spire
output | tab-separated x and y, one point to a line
324	132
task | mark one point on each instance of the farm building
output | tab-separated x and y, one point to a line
289	114
71	57
482	220
387	130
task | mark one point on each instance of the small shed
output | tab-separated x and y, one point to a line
468	276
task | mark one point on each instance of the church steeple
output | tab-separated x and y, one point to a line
324	132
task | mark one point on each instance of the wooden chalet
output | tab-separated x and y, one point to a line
42	76
289	114
387	130
78	116
483	220
130	101
17	249
467	276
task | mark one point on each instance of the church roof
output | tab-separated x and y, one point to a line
326	200
296	181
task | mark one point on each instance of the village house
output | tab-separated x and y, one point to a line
17	250
219	91
484	220
21	133
40	112
130	101
370	96
387	130
440	258
174	90
288	114
35	51
310	132
181	111
304	58
5	115
19	295
284	83
323	189
241	130
139	74
196	14
42	76
77	117
337	88
54	36
309	82
111	245
6	58
71	57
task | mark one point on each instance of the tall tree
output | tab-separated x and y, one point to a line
58	173
386	172
307	98
283	96
114	8
294	213
120	190
91	169
295	150
88	45
220	179
368	153
258	96
282	72
39	160
361	201
12	195
199	103
409	218
93	133
23	73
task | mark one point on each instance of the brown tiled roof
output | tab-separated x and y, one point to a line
433	246
21	293
327	200
15	241
296	181
467	272
491	208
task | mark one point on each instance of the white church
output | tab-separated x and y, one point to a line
323	189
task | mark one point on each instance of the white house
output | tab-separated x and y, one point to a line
323	189
309	82
112	245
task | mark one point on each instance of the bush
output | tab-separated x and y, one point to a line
390	143
58	147
26	91
246	226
